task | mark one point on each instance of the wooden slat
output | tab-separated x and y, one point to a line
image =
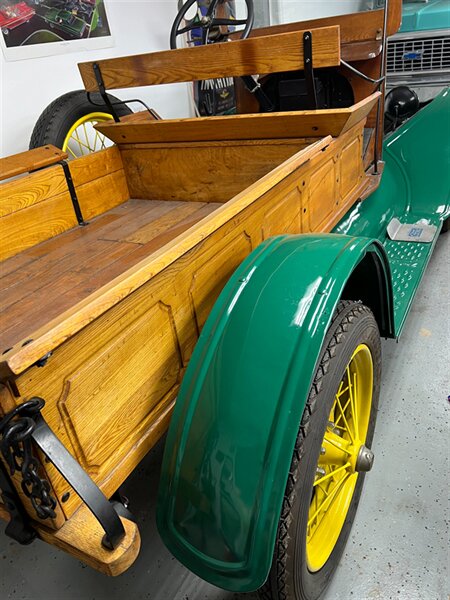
306	123
24	162
39	222
270	54
21	194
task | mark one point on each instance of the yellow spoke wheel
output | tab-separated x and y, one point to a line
330	459
69	123
343	455
82	137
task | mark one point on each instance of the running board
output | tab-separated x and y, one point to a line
408	261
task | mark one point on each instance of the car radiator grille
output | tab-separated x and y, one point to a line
426	54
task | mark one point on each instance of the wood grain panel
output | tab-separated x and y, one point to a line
204	173
281	125
30	190
209	280
39	222
284	216
100	195
24	162
115	390
270	54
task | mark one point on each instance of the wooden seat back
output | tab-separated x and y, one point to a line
271	54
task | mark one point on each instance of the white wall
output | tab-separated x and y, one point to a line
28	86
288	11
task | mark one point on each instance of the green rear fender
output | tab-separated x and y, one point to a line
231	438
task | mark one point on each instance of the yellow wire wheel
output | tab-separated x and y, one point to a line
82	137
331	457
343	448
69	123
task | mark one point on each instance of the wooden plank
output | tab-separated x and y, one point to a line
39	222
81	536
270	54
20	194
24	162
305	123
67	324
95	165
102	194
4	514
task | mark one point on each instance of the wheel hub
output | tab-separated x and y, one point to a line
364	460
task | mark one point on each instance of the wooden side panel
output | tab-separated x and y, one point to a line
34	209
38	206
100	181
110	389
115	390
270	54
202	173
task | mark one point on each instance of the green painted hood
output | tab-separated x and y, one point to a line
425	16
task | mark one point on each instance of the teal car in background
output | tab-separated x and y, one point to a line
418	55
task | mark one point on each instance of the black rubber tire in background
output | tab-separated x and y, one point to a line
59	116
289	577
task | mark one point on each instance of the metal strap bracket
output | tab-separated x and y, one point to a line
25	424
102	90
73	193
309	71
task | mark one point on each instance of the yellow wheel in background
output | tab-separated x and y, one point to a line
82	138
68	123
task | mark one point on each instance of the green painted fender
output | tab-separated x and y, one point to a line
233	431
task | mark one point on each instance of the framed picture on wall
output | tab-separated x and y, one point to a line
34	28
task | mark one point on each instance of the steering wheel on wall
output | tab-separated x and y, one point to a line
212	24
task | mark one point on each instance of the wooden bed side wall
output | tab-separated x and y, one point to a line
38	206
202	171
100	181
110	389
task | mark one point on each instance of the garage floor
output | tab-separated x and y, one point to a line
399	544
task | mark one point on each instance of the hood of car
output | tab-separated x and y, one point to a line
425	16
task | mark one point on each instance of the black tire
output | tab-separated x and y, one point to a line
290	578
445	225
55	122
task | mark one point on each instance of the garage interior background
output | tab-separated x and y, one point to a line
28	86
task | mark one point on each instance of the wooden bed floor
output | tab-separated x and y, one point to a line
42	282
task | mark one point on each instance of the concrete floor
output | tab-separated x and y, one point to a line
399	544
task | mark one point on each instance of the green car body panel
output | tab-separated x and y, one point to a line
233	431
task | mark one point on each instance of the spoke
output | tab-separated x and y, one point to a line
69	149
342	411
331	474
189	28
80	143
329	498
353	403
75	136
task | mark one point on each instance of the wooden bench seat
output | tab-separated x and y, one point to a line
42	282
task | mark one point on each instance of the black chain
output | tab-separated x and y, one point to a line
16	428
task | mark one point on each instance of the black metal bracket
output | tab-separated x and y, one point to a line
102	90
18	528
309	71
254	87
40	433
73	193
